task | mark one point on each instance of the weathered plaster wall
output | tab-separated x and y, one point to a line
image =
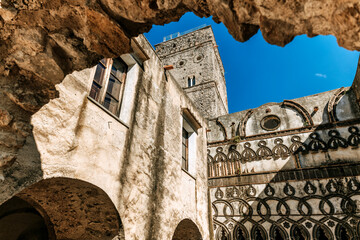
151	192
290	117
324	135
137	165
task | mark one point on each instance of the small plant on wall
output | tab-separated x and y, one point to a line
236	139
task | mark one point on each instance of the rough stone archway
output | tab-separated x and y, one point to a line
62	208
21	220
187	229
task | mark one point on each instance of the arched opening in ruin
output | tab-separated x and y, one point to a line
60	208
21	220
187	229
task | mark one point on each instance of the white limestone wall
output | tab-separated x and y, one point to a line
136	158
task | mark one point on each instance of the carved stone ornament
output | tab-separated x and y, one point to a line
309	188
354	138
269	191
181	63
248	154
251	191
289	190
270	123
198	58
219	194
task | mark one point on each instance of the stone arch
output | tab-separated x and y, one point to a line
67	209
333	101
187	229
20	219
277	232
240	232
258	233
305	115
322	232
298	231
343	232
222	233
241	131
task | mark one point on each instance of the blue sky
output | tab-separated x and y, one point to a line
257	72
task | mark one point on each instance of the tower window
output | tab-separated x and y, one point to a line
191	81
108	82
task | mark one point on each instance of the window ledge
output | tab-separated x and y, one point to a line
107	111
184	170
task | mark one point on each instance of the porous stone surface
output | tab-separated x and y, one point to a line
76	209
6	160
5	118
195	57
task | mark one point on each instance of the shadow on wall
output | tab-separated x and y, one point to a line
60	208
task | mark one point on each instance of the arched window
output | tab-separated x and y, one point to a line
223	235
298	234
343	235
343	232
321	234
240	233
277	233
258	233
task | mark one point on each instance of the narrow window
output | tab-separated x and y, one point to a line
185	150
108	84
191	81
189	138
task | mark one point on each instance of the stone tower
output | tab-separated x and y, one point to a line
198	69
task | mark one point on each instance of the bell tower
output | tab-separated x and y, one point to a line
197	68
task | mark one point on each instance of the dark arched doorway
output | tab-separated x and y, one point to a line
60	208
20	220
188	230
